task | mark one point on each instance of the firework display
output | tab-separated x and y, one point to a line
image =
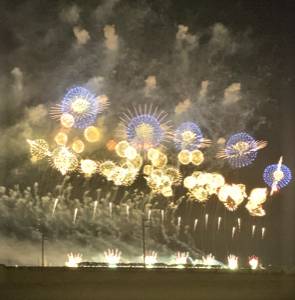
277	176
232	262
39	149
151	258
253	262
73	260
79	108
112	257
188	136
142	153
181	259
64	160
145	128
241	150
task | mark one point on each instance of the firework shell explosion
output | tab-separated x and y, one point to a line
145	128
142	153
79	108
277	176
241	150
188	136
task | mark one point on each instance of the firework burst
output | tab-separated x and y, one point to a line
39	149
146	127
79	108
277	176
188	136
241	150
64	160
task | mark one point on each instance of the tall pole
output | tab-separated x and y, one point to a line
42	250
143	239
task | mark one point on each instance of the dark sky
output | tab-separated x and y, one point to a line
49	46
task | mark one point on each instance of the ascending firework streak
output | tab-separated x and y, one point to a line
111	209
162	215
253	230
233	232
75	215
218	223
239	224
206	221
54	206
195	224
178	222
94	209
149	214
127	210
263	232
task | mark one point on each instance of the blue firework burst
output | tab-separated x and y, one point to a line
241	149
188	136
277	176
144	131
82	105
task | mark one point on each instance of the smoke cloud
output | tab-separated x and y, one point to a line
81	35
111	37
71	14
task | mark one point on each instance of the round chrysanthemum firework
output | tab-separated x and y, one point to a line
188	136
79	108
82	105
145	128
277	176
241	150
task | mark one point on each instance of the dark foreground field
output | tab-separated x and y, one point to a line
30	283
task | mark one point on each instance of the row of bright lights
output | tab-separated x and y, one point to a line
113	257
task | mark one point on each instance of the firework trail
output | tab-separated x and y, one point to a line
195	224
206	221
239	223
219	223
54	206
263	232
94	209
75	215
233	232
253	230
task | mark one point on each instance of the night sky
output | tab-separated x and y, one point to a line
230	70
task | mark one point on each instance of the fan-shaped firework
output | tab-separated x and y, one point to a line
79	108
241	150
188	136
145	128
39	149
277	176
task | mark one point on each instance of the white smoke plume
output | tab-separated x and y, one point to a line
111	38
150	85
222	40
18	87
182	106
232	94
71	14
82	35
204	89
